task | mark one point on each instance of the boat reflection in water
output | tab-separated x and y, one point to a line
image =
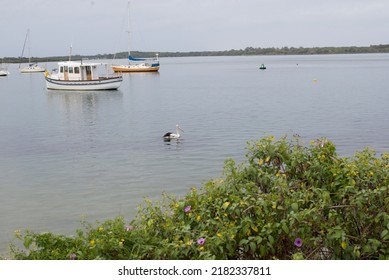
82	109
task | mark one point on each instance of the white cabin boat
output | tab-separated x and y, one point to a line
80	76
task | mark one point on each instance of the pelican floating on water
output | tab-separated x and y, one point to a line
171	135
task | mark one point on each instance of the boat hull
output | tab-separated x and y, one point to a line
36	69
133	69
3	73
111	83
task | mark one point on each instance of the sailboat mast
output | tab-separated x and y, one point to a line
29	47
128	30
24	46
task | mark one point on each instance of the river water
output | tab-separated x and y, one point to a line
72	156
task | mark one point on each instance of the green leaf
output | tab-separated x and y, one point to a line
27	241
258	239
285	228
225	205
253	246
384	234
243	242
337	234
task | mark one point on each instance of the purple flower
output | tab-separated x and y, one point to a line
201	241
187	208
128	227
72	256
298	242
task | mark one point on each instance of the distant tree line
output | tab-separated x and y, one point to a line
285	51
232	52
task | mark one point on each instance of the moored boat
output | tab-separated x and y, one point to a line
3	72
81	76
32	67
138	65
135	64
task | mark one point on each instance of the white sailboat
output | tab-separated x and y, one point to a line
3	70
32	67
137	64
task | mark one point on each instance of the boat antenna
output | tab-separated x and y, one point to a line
70	52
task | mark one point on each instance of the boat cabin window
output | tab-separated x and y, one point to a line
61	69
66	68
71	70
76	70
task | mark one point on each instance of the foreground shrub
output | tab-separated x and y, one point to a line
286	201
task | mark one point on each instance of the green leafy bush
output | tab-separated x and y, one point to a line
286	201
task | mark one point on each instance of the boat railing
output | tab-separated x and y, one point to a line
108	76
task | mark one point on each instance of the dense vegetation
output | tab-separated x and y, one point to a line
287	200
246	51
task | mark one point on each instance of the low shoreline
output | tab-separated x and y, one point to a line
382	48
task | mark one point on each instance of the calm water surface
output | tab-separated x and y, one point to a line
66	156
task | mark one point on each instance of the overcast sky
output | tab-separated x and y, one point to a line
99	26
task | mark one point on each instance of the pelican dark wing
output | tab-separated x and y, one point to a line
167	135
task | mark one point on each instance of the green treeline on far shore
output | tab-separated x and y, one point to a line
232	52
